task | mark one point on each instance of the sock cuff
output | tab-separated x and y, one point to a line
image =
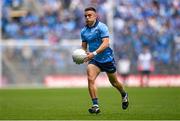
96	105
95	101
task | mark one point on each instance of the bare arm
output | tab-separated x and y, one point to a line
84	46
101	48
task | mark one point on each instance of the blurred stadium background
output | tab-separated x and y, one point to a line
38	36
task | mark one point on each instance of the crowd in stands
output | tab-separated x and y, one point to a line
151	23
137	23
44	19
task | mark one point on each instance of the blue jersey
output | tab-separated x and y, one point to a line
93	37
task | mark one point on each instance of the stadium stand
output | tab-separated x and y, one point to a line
152	23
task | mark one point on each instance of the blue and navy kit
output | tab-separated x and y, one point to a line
93	36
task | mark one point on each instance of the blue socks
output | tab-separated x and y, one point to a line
95	101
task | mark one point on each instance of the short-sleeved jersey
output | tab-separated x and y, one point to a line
93	37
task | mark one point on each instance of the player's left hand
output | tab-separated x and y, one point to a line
89	56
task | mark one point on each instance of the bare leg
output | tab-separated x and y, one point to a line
115	83
147	80
92	73
142	80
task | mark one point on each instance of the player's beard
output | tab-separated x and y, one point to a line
89	23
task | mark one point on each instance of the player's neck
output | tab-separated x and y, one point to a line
93	24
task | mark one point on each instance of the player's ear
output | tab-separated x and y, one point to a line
97	16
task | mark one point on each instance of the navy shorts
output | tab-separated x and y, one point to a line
108	67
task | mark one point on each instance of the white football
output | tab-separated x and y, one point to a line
79	55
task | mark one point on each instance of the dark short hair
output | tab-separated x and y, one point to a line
90	9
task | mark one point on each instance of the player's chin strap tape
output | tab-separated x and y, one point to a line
94	53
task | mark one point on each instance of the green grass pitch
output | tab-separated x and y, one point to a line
73	103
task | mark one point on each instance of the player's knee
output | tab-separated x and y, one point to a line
91	79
